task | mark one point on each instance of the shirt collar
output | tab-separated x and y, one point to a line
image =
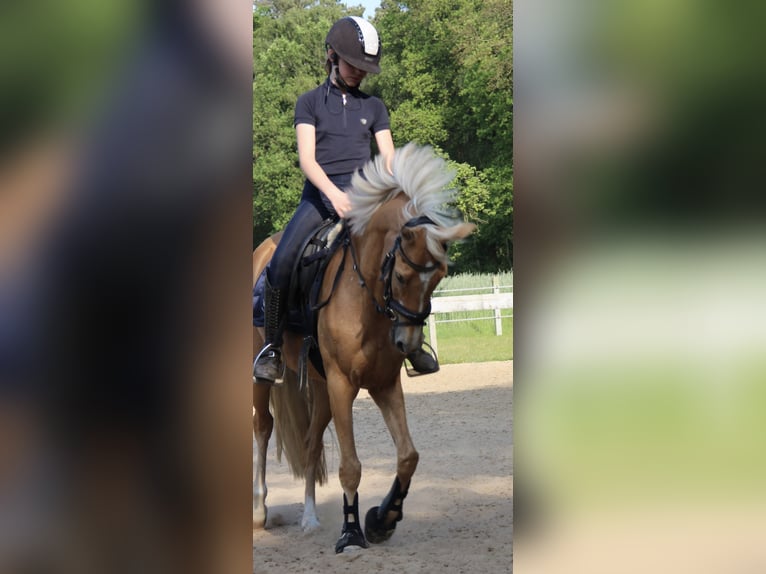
355	92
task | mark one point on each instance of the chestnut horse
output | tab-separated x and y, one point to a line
378	290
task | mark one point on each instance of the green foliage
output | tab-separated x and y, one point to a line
447	79
490	248
422	124
484	52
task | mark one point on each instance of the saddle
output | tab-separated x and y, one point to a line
305	286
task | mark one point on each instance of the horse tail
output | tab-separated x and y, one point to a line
291	407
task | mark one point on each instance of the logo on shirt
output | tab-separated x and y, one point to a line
364	121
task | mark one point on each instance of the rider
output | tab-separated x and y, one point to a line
334	124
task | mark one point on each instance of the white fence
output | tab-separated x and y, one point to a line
496	301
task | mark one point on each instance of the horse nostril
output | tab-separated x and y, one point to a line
400	346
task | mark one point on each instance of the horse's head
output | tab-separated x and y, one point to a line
418	226
411	272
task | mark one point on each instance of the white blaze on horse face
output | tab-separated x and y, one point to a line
425	280
411	336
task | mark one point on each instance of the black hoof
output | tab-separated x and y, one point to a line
374	528
351	536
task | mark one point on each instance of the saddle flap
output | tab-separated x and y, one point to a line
308	268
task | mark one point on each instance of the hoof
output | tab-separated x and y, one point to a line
309	524
374	528
259	518
351	537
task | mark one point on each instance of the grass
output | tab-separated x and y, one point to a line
473	342
470	337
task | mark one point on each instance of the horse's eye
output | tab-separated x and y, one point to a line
399	278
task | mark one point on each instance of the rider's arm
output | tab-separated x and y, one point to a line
306	135
385	146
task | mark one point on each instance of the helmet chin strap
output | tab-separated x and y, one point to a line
338	80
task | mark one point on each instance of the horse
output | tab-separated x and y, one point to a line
376	293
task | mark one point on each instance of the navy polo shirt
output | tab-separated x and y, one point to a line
343	128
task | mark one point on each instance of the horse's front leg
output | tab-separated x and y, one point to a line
342	395
263	424
380	521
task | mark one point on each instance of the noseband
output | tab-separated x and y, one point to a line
391	307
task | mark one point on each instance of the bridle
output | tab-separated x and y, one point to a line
392	308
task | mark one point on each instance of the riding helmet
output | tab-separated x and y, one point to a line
356	40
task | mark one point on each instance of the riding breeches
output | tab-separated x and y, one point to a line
307	217
313	209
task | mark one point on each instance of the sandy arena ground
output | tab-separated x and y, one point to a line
459	511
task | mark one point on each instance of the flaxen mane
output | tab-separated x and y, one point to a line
424	178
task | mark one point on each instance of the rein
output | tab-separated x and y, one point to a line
391	307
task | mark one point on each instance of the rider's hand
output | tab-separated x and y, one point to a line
340	203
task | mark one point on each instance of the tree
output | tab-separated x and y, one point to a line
447	79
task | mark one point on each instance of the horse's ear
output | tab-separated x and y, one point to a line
463	230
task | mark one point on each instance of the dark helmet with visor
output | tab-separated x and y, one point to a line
356	40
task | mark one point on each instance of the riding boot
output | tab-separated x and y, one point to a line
423	362
268	363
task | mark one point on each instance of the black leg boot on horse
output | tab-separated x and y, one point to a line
268	367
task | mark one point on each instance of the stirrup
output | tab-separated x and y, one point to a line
279	380
411	372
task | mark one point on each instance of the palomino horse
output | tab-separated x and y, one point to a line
378	289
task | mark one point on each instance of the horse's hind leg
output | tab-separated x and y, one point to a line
380	521
316	470
263	424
